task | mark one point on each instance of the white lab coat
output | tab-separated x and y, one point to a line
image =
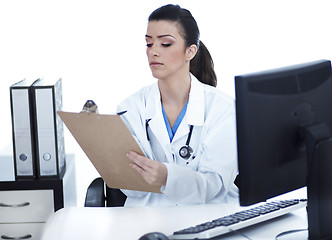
208	176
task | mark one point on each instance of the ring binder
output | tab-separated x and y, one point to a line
49	141
22	129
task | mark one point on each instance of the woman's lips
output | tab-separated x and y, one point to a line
155	64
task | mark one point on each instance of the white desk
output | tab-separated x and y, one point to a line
132	223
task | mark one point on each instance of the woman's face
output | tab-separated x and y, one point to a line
166	49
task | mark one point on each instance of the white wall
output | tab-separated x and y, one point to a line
98	48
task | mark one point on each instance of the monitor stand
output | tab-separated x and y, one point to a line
319	186
319	181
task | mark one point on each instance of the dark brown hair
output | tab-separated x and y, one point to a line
201	66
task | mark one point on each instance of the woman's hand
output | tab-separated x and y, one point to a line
154	172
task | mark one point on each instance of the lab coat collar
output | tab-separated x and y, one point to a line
155	118
153	103
195	109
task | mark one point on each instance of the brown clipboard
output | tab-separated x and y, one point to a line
106	140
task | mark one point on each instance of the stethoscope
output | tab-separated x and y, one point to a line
185	151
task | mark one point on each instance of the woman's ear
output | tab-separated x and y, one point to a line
191	52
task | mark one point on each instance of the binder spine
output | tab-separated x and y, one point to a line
60	142
23	132
49	140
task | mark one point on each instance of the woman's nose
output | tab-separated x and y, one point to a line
155	54
153	51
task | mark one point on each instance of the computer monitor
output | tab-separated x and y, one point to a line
284	120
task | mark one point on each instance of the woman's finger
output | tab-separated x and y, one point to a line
142	161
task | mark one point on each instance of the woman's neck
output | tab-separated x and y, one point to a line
174	95
175	91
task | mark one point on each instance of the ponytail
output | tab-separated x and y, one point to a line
202	67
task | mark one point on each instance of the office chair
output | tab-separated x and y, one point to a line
237	181
100	195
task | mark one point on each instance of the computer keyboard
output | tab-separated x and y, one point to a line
241	219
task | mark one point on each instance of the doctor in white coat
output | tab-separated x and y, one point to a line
184	125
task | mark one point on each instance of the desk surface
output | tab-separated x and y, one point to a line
132	223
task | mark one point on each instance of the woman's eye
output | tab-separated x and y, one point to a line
149	44
166	44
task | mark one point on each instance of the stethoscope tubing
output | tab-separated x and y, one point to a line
188	150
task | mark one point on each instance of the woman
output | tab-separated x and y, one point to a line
184	125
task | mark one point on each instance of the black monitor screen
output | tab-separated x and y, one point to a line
272	108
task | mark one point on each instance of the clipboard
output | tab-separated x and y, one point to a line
106	140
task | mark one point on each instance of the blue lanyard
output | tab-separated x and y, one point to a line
172	131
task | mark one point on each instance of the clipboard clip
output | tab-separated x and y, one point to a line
90	106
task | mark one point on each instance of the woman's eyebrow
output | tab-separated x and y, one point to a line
161	36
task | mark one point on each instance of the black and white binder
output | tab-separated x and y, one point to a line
49	141
23	129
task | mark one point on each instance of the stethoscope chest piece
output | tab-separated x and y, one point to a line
185	152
